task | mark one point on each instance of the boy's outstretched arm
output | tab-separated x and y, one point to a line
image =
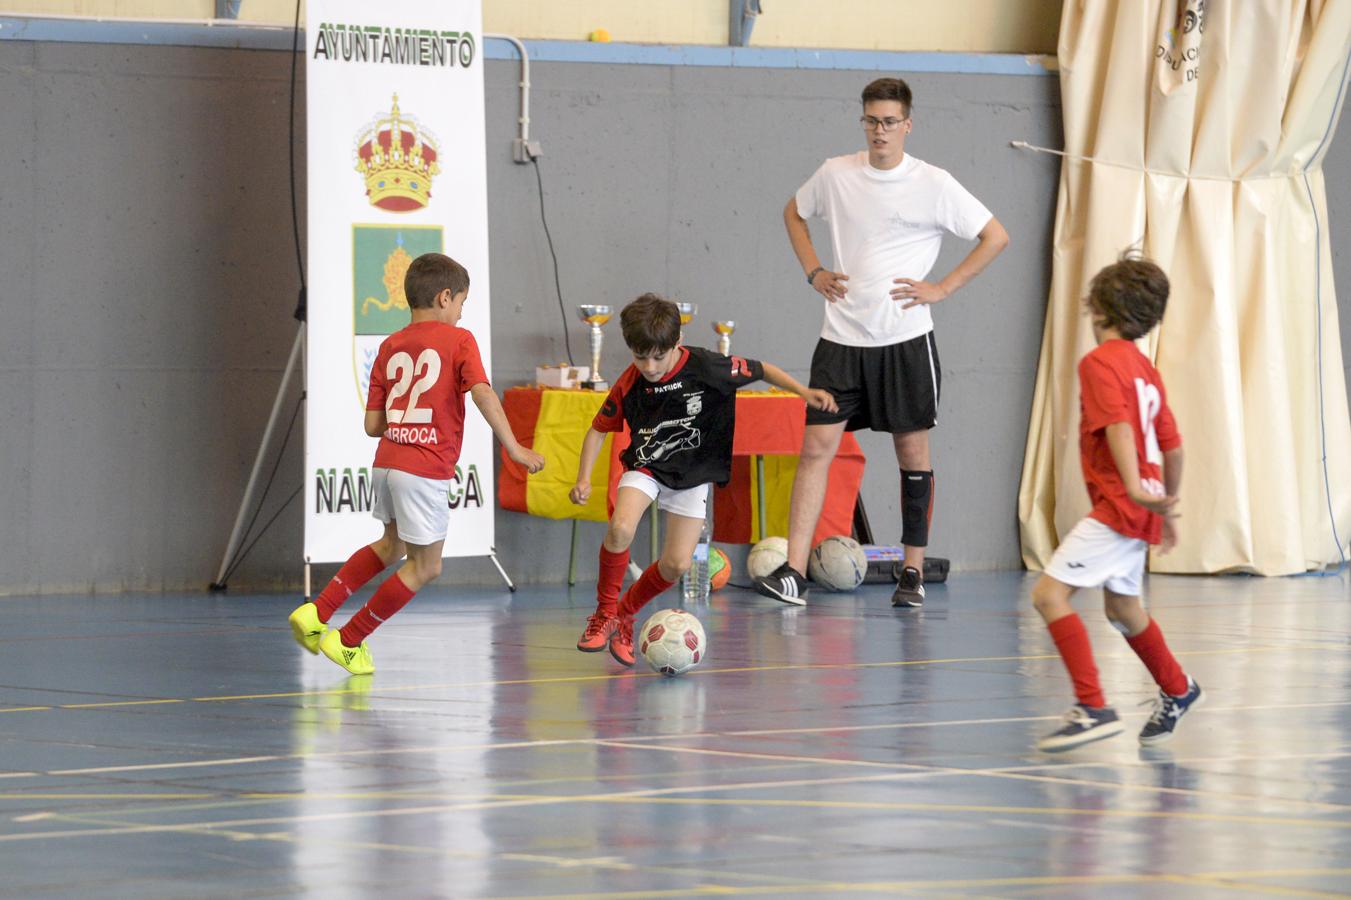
1121	440
591	444
815	397
491	407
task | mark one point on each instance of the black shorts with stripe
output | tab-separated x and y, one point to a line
893	388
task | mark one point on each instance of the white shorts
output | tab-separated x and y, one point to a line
419	506
1093	555
691	502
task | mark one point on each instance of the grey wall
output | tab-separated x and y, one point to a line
148	279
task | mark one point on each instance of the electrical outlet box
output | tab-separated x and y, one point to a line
525	151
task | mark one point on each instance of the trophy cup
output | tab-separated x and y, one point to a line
687	312
595	316
724	330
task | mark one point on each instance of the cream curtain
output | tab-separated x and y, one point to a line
1196	131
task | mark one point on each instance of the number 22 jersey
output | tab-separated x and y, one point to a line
419	379
1118	384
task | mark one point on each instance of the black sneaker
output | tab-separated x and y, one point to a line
1167	711
1083	725
910	590
784	583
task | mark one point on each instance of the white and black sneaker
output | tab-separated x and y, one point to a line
1083	725
784	583
1168	710
910	589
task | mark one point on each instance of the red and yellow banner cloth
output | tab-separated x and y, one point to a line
769	424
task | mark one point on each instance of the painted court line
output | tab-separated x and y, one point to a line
1016	773
653	739
570	679
672	796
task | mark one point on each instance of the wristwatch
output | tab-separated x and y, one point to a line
814	272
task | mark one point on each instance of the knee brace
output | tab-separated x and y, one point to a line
917	503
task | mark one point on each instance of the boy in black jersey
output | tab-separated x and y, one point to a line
680	406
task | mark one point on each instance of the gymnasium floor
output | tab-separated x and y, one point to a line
177	746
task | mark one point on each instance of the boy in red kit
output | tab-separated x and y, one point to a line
680	406
1131	454
416	408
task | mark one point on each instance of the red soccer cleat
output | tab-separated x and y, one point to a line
597	634
621	641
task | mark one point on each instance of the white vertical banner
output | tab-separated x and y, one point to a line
395	146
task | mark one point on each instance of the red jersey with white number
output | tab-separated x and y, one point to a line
682	425
419	379
1117	383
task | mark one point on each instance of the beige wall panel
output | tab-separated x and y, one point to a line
967	26
122	9
633	21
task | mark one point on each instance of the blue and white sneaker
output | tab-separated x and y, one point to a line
1168	710
784	583
1083	725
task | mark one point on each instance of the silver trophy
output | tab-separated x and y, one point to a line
724	331
594	315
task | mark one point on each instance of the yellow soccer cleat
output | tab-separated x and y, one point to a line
306	627
356	660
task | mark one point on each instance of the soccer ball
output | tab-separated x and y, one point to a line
838	563
672	641
767	556
719	569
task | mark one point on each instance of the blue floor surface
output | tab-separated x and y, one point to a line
184	746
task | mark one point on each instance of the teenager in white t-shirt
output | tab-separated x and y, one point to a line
887	214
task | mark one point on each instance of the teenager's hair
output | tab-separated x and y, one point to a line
429	275
651	325
1130	295
889	89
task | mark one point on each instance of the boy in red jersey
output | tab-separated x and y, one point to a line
680	406
416	408
1131	454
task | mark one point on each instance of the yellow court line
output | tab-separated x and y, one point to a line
1014	773
670	796
842	887
655	739
574	679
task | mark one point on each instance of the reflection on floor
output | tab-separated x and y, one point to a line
157	746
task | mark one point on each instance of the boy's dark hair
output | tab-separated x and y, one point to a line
889	89
651	325
1130	295
429	275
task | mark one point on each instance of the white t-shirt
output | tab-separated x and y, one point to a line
885	224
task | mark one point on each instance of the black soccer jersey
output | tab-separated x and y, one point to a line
681	426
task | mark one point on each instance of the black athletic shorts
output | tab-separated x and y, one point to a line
893	388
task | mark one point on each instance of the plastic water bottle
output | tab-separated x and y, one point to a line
694	583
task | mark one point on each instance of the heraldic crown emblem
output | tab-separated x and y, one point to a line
398	159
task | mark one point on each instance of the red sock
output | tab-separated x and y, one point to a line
1153	651
643	590
612	568
389	598
1071	639
364	565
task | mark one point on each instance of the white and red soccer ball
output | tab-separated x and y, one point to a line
672	641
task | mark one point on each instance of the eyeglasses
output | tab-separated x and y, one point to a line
872	123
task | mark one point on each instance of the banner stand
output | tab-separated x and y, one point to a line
293	363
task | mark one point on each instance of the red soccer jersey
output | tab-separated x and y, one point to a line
1118	384
419	379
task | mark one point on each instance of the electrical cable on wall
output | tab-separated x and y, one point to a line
558	284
